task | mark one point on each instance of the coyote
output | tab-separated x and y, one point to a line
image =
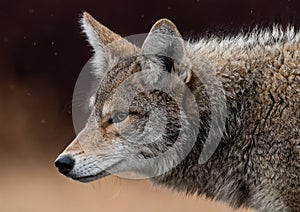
160	105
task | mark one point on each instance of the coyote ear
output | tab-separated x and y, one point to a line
165	40
102	39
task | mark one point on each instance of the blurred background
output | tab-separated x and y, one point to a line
41	54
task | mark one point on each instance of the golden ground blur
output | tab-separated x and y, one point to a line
42	189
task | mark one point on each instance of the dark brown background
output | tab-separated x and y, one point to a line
41	54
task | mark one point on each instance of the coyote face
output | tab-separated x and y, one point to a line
218	117
133	125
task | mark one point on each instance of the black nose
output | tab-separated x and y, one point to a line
64	163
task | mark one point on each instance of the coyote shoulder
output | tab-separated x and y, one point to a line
218	117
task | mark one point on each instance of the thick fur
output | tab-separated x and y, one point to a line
256	164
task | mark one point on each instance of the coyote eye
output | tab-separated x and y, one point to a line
117	117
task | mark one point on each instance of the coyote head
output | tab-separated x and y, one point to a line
143	118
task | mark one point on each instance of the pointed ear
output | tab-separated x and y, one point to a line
165	40
101	38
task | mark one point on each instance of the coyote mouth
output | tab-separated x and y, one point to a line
101	174
90	178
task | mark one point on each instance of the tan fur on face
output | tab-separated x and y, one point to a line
106	108
74	147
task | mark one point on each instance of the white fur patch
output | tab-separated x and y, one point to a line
99	60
